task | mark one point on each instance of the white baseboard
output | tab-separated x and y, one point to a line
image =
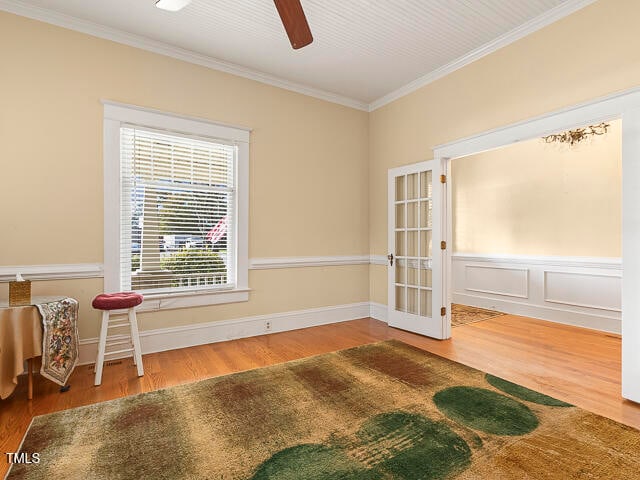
378	311
558	315
172	338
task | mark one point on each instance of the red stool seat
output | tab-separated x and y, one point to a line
116	301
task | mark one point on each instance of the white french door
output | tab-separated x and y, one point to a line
415	260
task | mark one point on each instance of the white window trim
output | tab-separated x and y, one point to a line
117	114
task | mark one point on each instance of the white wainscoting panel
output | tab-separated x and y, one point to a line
508	281
602	292
579	291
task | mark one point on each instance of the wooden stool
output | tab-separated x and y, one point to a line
122	303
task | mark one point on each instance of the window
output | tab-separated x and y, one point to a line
175	208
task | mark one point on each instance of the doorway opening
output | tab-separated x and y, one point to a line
625	106
536	230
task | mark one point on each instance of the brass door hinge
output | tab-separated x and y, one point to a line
443	245
443	179
443	311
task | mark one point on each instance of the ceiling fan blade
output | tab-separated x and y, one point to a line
295	22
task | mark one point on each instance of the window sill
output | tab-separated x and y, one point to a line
169	301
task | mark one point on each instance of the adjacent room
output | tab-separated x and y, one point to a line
537	230
308	239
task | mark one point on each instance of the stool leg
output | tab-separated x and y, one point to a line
135	338
101	347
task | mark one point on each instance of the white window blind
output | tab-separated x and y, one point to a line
177	212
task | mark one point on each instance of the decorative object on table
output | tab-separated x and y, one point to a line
59	339
577	135
122	303
19	292
385	410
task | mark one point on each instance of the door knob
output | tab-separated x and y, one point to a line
390	257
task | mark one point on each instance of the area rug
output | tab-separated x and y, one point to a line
464	314
379	411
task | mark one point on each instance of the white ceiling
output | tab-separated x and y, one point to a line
364	52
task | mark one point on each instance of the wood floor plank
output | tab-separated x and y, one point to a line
576	365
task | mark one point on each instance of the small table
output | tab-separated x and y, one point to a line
20	340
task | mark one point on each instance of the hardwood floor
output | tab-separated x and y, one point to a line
573	364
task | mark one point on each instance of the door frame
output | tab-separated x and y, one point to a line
622	105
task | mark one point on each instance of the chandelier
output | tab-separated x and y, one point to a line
577	135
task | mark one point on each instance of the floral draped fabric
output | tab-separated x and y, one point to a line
59	339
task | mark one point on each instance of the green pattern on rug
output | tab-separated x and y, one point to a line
318	462
487	411
411	446
376	412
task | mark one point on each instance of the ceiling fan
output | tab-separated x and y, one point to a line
290	11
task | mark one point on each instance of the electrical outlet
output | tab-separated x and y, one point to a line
267	325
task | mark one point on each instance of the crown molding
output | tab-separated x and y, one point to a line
541	21
90	28
73	23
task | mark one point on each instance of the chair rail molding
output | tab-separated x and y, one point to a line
298	262
379	259
62	271
610	263
52	271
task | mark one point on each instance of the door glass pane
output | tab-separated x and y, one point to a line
426	246
412	300
425	184
400	248
425	277
400	188
401	271
400	300
412	186
412	244
412	215
412	274
425	303
400	215
426	214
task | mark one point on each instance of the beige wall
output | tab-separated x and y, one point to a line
535	75
308	177
318	170
535	198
